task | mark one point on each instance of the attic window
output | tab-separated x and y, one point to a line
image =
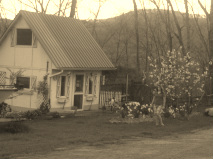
24	37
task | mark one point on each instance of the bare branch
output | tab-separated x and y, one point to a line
204	9
178	27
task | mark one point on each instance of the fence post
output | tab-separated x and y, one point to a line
127	83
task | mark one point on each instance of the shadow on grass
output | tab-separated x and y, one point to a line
14	127
93	130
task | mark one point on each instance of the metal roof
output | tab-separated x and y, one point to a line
66	41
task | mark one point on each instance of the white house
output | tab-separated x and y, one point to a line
37	44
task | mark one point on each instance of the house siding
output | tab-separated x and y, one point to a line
92	105
32	60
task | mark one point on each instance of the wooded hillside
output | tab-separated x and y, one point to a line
158	34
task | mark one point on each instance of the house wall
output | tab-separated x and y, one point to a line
33	61
90	102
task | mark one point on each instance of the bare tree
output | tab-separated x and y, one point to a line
100	4
211	48
200	32
178	27
147	31
63	6
73	8
211	38
3	20
169	29
137	39
187	20
37	5
120	35
160	30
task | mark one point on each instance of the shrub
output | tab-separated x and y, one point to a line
179	111
14	115
167	114
32	114
16	127
45	107
55	114
4	108
130	109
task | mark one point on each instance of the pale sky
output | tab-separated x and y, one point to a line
87	8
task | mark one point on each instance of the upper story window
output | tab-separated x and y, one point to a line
24	37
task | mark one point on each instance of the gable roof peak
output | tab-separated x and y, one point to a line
66	41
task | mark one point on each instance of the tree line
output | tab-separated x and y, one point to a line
131	38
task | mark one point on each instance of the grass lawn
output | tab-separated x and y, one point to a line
95	130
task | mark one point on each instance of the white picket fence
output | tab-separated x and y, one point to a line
106	96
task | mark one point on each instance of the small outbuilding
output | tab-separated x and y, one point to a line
37	44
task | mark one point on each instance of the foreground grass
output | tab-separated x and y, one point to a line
47	135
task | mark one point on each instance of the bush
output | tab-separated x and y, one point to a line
32	114
16	127
14	115
4	108
45	107
130	109
167	114
55	114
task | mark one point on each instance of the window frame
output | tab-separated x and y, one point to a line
21	83
83	80
26	45
65	85
93	78
90	88
32	82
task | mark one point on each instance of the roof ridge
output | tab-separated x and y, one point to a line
66	41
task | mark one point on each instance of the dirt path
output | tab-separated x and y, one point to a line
197	145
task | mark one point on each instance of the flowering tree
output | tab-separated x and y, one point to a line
178	76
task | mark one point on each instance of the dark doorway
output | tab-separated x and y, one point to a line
79	88
78	101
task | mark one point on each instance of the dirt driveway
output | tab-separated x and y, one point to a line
197	145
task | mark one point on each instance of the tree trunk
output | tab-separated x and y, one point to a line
169	29
211	36
137	39
211	50
179	35
73	7
187	25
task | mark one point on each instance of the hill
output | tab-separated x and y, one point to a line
117	36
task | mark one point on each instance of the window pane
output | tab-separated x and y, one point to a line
79	83
63	82
24	37
90	86
23	82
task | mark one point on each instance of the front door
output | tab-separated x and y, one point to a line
79	87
